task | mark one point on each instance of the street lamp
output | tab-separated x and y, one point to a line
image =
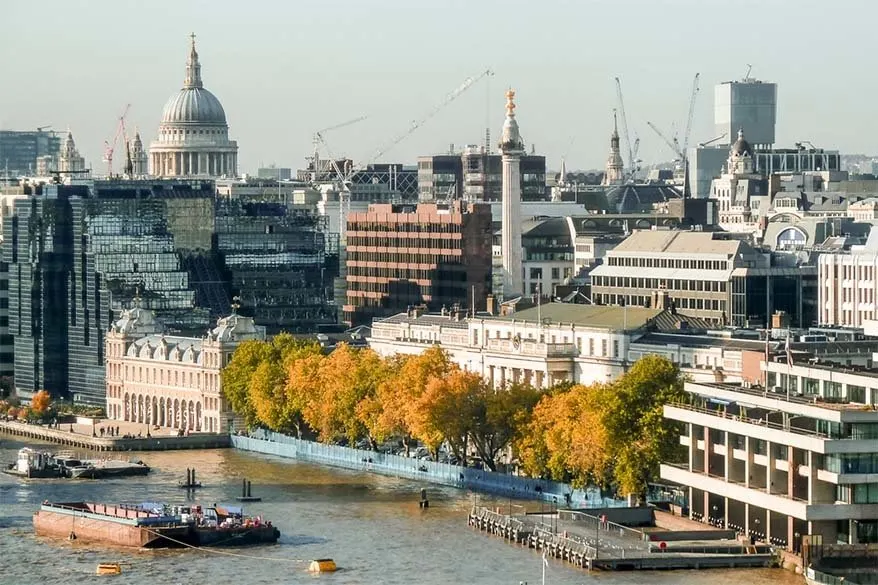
715	517
555	514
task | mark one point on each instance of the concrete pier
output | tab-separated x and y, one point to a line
83	440
604	545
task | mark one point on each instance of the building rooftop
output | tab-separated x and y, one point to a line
596	316
680	242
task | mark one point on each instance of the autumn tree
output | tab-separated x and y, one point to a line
393	411
41	403
565	440
447	410
501	416
346	377
255	380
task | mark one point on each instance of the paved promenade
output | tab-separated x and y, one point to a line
132	436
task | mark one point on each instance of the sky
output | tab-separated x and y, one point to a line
286	69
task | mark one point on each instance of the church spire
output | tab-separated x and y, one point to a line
193	67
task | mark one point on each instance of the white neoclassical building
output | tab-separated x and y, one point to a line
193	138
170	381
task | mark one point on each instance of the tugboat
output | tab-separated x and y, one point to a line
34	464
153	525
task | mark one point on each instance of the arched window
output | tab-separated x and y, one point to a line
791	239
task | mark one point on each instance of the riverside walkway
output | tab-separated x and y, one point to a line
81	436
591	543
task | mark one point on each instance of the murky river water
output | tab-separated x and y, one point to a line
371	525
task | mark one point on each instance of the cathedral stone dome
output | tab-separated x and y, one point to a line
193	105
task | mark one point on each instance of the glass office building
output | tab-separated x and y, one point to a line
79	255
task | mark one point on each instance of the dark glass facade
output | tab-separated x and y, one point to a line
19	150
77	256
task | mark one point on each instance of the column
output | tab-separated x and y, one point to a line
748	462
769	456
539	383
221	161
692	443
727	460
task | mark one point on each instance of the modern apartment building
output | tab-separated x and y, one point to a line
399	256
706	275
795	457
476	175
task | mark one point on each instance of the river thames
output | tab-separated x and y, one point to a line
370	525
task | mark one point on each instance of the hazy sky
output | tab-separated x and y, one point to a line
284	69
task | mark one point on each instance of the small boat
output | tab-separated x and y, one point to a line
109	569
43	464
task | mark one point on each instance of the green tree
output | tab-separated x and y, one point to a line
639	437
501	416
237	374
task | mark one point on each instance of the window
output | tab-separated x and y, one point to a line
857	394
603	347
556	273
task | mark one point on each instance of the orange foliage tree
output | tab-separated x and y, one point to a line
41	403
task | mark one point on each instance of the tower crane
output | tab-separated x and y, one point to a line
320	140
111	147
632	149
468	82
678	149
685	148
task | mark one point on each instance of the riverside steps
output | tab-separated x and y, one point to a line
592	542
81	437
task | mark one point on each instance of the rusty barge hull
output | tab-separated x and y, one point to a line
96	525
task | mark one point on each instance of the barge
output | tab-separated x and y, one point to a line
153	525
42	464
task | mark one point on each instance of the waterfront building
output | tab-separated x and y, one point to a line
541	346
165	380
193	137
707	275
476	174
613	175
276	173
20	151
7	355
405	255
793	457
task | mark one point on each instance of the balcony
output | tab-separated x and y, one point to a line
529	347
810	440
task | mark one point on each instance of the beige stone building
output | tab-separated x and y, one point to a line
170	381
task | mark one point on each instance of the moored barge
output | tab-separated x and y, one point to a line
153	525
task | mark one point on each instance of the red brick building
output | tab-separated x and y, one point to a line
400	256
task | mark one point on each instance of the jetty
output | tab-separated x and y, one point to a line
593	542
84	439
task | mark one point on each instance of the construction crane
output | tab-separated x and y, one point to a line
712	140
685	148
678	149
41	128
468	83
110	147
674	145
320	140
628	145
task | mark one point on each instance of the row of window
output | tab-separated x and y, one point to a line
655	283
861	493
643	262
